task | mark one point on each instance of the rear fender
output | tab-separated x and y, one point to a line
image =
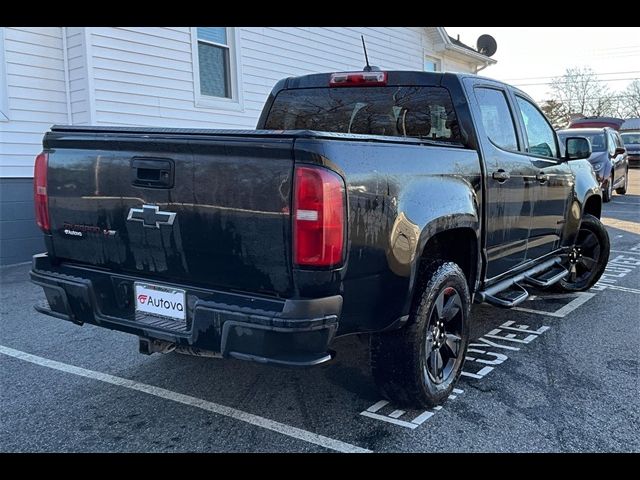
458	209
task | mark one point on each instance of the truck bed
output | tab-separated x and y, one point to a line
204	132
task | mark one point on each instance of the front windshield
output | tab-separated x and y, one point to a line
596	139
631	138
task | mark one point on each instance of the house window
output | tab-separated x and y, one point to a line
431	64
215	67
213	62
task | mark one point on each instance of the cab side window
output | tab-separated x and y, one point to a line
611	147
619	142
541	137
496	118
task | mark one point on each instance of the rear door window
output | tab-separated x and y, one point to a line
496	118
611	147
619	142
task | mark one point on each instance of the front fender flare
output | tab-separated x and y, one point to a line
586	188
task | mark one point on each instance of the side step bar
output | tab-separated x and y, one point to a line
514	295
549	278
509	292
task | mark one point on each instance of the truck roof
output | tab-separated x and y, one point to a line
394	78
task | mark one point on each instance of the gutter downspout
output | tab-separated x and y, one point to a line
65	59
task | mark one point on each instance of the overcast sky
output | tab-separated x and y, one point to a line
534	55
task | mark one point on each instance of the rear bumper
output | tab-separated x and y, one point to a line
280	331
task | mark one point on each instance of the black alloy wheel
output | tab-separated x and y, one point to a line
444	336
588	258
419	364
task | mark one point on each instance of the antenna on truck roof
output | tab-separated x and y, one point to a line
367	68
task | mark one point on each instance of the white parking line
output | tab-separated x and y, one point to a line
377	406
581	298
15	264
621	288
397	413
250	418
395	421
394	416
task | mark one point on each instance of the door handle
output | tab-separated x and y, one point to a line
152	172
501	176
542	177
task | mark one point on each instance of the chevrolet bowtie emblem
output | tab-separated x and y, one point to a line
151	216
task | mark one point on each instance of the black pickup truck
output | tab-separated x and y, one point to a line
372	202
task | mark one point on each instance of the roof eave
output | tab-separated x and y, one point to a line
449	45
476	56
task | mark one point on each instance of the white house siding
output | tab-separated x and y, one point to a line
80	94
36	97
144	76
452	65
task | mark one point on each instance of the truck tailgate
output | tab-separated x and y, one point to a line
204	209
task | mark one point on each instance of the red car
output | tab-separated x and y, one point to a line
596	122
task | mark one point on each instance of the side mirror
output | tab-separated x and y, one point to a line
577	148
619	151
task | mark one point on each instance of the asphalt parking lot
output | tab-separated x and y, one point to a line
559	374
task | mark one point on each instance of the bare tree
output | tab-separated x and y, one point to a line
630	100
554	111
580	91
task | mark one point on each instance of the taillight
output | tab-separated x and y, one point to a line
358	79
318	217
40	196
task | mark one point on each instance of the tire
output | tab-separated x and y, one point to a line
592	244
608	192
406	367
623	189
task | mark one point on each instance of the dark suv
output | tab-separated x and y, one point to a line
608	158
631	141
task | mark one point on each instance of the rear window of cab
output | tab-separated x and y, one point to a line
405	111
